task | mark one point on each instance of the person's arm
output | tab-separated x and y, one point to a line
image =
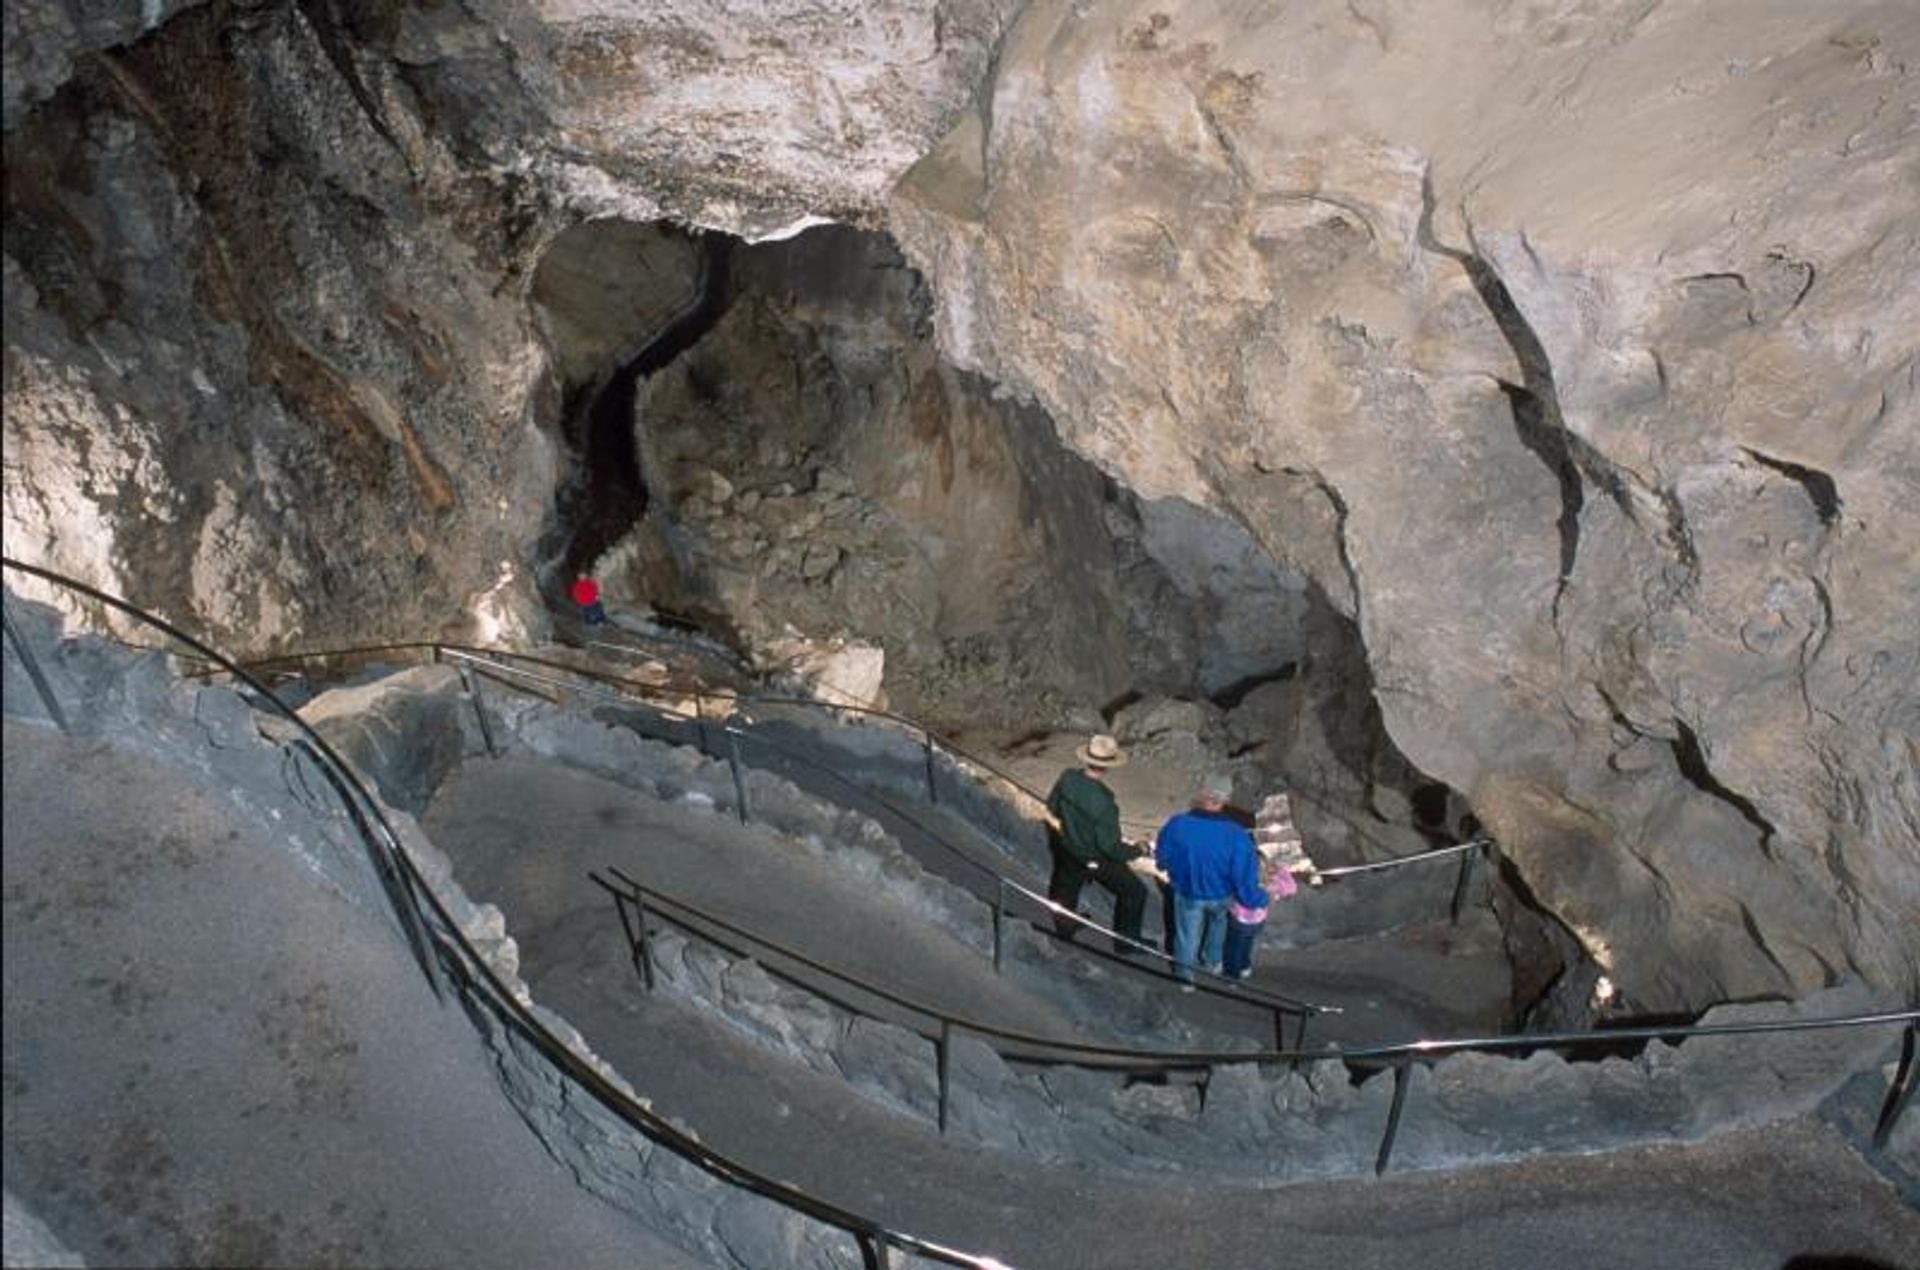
1108	841
1246	877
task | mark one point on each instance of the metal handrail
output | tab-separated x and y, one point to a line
1125	1056
1216	985
925	730
929	737
1434	1047
874	1239
1398	1057
1421	857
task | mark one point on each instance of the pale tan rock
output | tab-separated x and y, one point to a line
1247	258
837	671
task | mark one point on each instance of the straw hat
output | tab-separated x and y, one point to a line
1101	751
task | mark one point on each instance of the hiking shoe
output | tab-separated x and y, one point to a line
1186	987
1243	974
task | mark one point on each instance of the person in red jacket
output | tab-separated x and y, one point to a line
586	593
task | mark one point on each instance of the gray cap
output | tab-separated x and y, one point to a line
1218	785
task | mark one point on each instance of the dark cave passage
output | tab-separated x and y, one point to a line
611	494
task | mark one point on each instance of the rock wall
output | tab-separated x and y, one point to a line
1564	349
1590	325
258	375
270	367
815	467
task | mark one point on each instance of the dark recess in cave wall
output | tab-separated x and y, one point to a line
612	491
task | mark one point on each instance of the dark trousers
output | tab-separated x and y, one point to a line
1239	951
1128	891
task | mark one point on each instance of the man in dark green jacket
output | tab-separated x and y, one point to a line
1086	843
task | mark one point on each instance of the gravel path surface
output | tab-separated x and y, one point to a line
212	1059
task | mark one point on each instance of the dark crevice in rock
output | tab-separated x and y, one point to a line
1752	928
1340	529
1680	537
615	494
1691	758
1234	693
325	20
1531	420
1820	487
1535	401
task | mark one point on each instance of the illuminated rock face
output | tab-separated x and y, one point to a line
270	366
1565	351
1591	325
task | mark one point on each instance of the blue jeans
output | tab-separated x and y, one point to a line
1240	937
1201	925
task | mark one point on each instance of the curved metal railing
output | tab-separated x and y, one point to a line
1398	1057
1017	1044
635	902
934	742
1006	888
441	937
644	693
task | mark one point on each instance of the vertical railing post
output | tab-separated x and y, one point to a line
32	664
739	778
944	1056
472	684
1900	1091
933	794
639	951
999	922
873	1251
1402	1073
700	715
1300	1038
1279	1028
1463	881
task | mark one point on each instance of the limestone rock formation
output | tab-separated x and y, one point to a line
269	362
1546	370
1591	323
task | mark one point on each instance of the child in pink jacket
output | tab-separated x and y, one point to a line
1281	855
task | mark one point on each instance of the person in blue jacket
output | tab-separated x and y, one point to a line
1209	859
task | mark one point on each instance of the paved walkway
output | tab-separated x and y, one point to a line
1430	981
1749	1200
212	1059
489	815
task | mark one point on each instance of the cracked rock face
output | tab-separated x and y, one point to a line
1564	350
269	362
1598	349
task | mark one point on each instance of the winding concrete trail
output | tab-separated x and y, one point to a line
1751	1200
